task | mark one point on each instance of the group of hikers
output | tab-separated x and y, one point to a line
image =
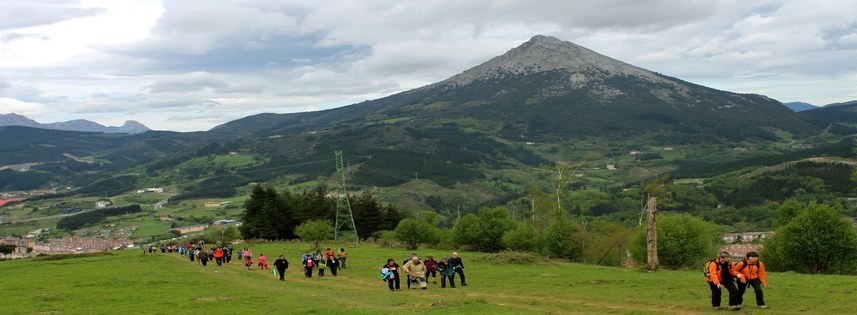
319	261
322	261
417	272
195	252
735	277
220	255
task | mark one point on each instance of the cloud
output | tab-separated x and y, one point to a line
190	82
196	27
190	65
10	37
25	13
11	105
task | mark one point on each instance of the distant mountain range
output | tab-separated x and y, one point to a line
799	106
130	126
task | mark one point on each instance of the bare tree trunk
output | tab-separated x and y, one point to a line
652	234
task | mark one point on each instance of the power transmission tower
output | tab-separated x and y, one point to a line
343	207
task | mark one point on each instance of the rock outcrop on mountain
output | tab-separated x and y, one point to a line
544	53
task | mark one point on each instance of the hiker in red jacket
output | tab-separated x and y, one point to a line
431	268
218	256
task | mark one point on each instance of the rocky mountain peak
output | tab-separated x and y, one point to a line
545	53
132	126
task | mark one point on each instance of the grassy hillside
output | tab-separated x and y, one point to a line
131	282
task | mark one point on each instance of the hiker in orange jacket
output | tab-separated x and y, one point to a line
753	271
720	275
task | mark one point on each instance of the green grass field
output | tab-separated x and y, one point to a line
128	281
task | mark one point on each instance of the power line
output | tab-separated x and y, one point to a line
384	172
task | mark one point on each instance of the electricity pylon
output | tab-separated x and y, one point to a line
343	207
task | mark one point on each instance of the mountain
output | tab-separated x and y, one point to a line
130	126
841	104
839	119
799	106
13	119
548	90
478	138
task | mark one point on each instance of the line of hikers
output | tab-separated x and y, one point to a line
722	273
196	252
202	256
417	272
322	261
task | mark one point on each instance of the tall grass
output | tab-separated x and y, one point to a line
128	281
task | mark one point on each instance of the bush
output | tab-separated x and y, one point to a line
482	232
315	231
522	238
817	240
412	232
683	241
559	240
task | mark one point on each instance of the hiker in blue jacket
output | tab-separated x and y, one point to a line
446	272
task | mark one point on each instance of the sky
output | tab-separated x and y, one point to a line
191	65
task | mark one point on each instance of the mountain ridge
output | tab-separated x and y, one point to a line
130	126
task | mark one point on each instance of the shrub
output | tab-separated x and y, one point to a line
522	238
817	240
483	232
412	232
683	241
315	231
559	240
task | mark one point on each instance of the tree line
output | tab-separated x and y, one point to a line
77	221
274	215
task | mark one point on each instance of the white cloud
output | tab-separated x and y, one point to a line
11	105
190	65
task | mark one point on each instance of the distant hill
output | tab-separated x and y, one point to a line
839	119
799	106
841	104
130	126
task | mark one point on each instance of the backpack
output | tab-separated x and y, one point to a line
705	271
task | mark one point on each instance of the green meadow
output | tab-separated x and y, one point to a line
128	281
